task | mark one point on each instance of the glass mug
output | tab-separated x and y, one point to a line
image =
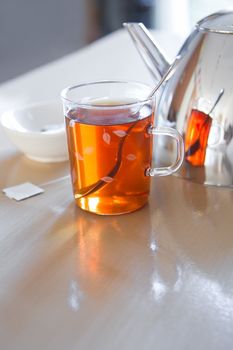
110	130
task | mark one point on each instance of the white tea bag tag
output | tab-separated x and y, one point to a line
22	191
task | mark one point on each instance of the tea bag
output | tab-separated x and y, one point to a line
22	191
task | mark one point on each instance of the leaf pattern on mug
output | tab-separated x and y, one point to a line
88	150
107	179
106	138
78	155
119	133
72	123
131	156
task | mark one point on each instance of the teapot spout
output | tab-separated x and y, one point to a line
151	54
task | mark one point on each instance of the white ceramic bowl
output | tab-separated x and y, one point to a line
38	131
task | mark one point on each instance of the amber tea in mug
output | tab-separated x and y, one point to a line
110	131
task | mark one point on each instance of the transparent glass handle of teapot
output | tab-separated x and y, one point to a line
172	168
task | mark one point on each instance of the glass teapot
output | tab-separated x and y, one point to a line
198	98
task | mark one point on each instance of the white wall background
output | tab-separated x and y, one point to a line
33	32
180	16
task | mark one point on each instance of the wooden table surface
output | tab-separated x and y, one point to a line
159	278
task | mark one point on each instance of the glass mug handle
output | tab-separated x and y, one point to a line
163	171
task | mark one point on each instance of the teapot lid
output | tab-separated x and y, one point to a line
219	22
